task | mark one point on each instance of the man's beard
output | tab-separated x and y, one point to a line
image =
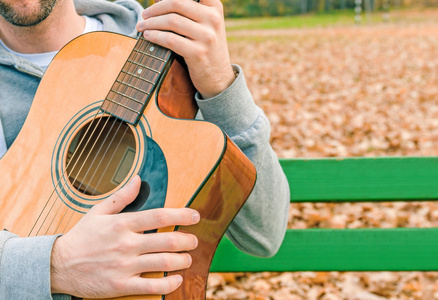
25	17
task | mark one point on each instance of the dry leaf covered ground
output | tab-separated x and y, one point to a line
369	90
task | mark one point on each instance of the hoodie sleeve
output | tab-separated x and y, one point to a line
25	267
259	227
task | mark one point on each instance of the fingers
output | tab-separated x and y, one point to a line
172	30
196	31
143	220
155	262
172	22
160	262
167	242
108	250
154	286
187	8
161	217
183	17
119	200
181	35
164	242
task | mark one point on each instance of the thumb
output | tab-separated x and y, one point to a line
119	200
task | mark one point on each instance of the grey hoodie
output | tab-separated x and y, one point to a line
259	227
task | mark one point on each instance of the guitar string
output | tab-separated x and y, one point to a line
60	206
136	93
71	211
89	167
131	80
102	156
97	185
92	163
68	175
64	171
58	182
123	79
71	159
110	159
135	66
86	158
72	214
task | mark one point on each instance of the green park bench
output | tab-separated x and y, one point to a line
363	249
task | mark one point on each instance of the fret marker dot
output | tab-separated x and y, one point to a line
151	48
139	71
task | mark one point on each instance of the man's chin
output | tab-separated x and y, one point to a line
25	22
26	17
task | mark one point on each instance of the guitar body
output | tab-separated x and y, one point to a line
182	162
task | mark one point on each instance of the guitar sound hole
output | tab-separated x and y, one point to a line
100	156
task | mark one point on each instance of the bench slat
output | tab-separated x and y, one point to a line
362	179
396	249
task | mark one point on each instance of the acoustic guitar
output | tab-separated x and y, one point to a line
110	107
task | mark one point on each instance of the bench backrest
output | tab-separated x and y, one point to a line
365	249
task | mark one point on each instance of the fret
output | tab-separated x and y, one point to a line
141	65
150	55
122	105
132	87
135	76
145	65
126	96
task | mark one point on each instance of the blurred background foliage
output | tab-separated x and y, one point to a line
265	8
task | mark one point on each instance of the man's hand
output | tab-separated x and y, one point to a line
104	254
195	31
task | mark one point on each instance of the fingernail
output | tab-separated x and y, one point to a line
196	242
132	181
146	33
179	279
196	217
145	13
190	261
140	26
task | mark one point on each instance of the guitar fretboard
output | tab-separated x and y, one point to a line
136	81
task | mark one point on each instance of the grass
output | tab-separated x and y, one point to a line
301	21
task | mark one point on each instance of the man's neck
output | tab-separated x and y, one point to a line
60	27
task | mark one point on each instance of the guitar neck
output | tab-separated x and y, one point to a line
137	81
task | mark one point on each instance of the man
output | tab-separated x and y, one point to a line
106	262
